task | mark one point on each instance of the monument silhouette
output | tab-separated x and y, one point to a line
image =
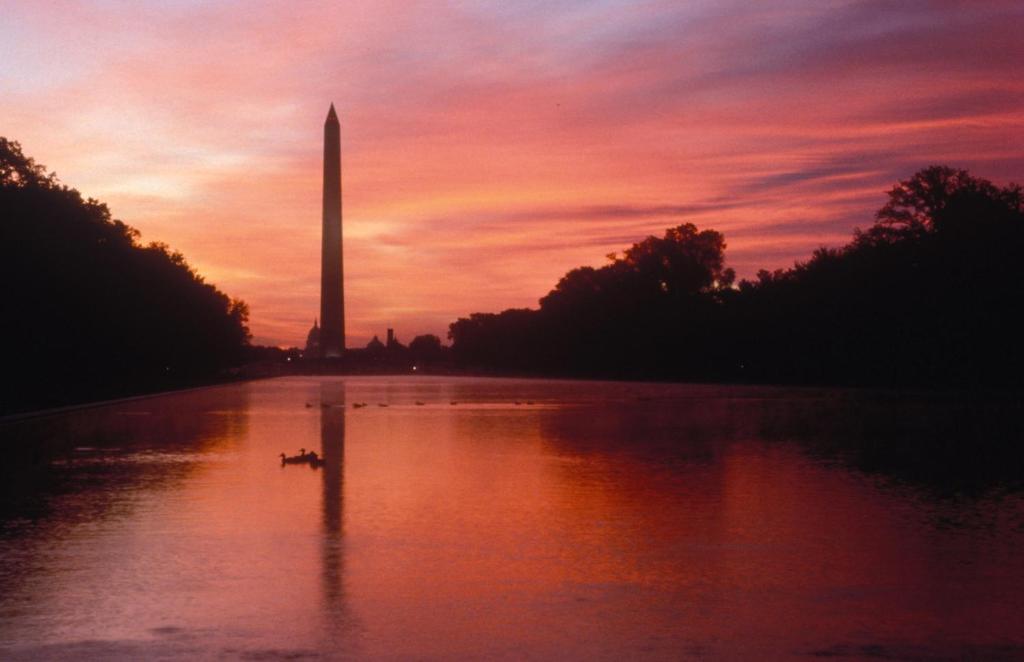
332	293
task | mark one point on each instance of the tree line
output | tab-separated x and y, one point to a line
89	310
930	295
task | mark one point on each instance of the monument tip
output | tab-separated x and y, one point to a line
331	115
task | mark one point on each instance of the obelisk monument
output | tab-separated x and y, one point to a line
332	292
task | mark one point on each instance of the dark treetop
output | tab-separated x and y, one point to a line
929	295
89	312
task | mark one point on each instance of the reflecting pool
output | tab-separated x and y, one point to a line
501	518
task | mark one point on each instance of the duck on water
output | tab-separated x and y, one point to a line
310	458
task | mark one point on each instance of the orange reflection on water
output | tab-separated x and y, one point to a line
604	520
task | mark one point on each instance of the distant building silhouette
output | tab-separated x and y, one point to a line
313	341
392	340
375	346
332	293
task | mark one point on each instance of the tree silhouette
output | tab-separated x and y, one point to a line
939	196
928	295
426	348
89	311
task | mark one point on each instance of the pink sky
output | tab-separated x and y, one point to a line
487	148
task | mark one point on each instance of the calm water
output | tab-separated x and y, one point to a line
514	519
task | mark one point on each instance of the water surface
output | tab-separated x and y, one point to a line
514	519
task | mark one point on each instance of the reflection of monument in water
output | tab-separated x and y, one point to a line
331	334
332	450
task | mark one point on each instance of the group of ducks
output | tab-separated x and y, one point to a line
310	458
314	460
419	403
360	405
